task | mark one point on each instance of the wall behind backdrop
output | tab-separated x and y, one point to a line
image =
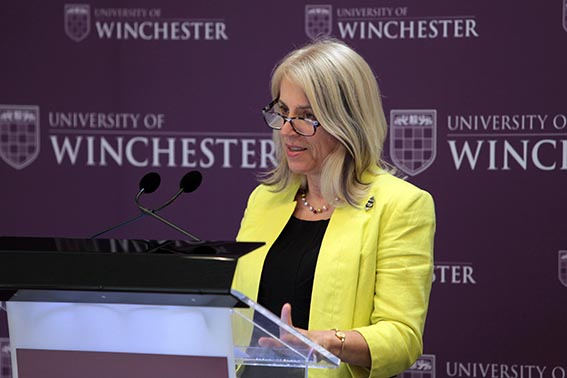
94	95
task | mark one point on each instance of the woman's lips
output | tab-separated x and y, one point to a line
293	151
295	148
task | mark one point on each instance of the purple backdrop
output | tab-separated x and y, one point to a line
94	95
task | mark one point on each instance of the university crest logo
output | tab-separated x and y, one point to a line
77	21
424	367
562	272
318	20
413	141
19	134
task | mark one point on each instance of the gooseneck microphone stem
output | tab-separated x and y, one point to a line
118	226
152	214
179	192
125	222
148	184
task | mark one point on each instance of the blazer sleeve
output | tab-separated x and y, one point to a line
404	269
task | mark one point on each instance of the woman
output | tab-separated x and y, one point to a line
349	248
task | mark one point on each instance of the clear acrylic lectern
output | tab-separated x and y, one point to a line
140	309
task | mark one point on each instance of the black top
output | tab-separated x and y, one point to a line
289	269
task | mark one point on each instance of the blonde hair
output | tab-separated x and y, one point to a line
345	99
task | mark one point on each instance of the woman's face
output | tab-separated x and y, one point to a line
305	154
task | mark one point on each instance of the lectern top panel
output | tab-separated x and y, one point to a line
49	265
188	248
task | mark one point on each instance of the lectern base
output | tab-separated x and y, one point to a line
35	363
87	336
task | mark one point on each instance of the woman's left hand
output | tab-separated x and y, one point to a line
326	339
355	351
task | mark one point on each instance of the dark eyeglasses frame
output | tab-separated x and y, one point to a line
270	106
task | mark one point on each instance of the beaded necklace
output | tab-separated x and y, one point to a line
314	210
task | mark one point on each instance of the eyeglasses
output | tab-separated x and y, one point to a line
276	120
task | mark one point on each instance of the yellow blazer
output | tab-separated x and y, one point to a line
373	273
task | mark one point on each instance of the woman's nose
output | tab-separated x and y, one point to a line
287	128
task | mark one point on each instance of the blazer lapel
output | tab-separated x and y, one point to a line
267	226
335	283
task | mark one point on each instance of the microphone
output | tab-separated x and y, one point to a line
149	184
189	183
